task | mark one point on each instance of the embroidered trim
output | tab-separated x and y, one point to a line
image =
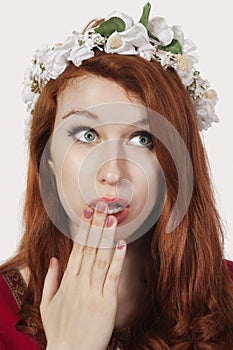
16	284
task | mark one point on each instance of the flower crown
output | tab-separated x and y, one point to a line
151	39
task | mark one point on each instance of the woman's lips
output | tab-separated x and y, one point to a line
122	214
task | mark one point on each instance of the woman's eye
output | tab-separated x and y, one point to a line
83	134
142	139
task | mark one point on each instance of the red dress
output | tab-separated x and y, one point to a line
12	290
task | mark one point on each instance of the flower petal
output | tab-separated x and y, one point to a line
116	43
205	113
79	54
159	28
136	35
157	24
178	34
188	46
127	19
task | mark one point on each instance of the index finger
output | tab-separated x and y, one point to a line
80	242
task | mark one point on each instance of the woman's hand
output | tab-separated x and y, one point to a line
79	313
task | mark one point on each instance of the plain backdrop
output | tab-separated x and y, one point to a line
25	25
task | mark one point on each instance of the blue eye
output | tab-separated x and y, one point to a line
142	139
87	135
83	134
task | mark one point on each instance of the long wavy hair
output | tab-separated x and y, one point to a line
189	303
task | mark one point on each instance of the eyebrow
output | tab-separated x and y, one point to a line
93	116
83	112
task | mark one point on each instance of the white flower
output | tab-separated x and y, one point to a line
29	98
136	35
146	51
55	61
165	58
205	111
36	71
86	39
83	48
127	41
55	64
80	53
199	87
211	95
41	53
97	40
159	28
127	19
185	67
116	44
187	45
178	34
27	94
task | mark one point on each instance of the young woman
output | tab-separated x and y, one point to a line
123	245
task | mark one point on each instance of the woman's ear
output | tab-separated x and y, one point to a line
51	165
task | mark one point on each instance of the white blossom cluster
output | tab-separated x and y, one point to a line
151	43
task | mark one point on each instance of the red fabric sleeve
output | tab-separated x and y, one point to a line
10	338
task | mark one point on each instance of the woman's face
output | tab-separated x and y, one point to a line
102	149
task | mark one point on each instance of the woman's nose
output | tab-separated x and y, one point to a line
112	172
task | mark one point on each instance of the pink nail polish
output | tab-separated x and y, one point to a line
87	213
110	221
51	262
120	245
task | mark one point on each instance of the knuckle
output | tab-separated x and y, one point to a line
101	264
98	220
78	248
113	277
89	250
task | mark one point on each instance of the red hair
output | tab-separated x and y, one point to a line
189	303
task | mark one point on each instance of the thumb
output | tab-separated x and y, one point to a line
51	283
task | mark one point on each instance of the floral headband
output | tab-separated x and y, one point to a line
151	39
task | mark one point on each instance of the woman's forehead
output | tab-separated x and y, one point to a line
88	91
99	100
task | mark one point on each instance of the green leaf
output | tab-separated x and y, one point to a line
175	47
110	26
145	14
153	36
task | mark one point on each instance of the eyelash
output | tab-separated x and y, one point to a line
75	130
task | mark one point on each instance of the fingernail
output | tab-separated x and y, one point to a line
110	221
121	245
101	207
87	213
51	262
